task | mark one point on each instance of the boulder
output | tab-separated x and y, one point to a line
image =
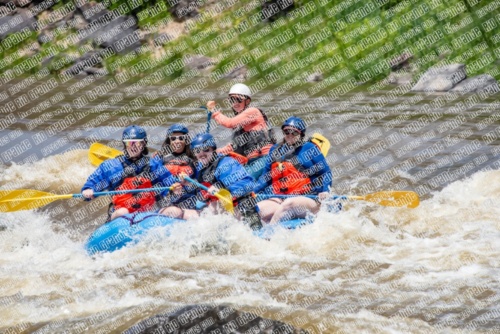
88	60
401	78
96	71
441	79
273	9
199	62
210	319
16	21
182	10
239	73
401	61
121	33
315	77
476	84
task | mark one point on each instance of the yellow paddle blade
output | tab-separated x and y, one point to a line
26	199
407	199
226	200
98	153
321	142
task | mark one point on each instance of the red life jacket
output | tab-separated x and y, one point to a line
139	201
288	175
179	164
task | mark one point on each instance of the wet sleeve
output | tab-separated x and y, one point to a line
244	118
264	182
321	174
100	179
234	177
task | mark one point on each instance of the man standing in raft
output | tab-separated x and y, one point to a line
252	137
133	170
293	167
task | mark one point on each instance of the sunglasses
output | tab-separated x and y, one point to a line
181	138
130	143
201	149
291	132
236	99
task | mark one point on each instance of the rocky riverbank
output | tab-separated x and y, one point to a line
269	43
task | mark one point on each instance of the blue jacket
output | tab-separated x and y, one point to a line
110	174
230	175
309	157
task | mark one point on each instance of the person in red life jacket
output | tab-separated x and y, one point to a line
133	170
178	158
175	151
293	167
217	171
252	135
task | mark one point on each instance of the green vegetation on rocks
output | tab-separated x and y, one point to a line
279	42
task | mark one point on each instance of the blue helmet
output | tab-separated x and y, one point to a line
177	128
295	122
203	140
134	132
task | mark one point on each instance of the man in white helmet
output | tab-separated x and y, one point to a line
252	137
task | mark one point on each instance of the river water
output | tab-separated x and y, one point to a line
367	269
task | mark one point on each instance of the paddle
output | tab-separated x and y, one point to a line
98	153
322	143
223	195
409	199
209	116
28	199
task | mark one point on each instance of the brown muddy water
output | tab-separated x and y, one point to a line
367	269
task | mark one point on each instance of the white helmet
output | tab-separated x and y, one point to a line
240	89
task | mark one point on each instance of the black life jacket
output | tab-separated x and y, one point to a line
245	142
206	176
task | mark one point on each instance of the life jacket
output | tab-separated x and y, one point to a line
179	164
245	142
288	175
131	180
206	176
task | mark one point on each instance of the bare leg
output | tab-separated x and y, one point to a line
119	212
188	214
296	207
175	212
172	211
267	208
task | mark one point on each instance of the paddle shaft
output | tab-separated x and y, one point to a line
131	191
104	193
223	194
196	183
285	196
209	117
264	196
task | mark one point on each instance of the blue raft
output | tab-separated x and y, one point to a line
130	228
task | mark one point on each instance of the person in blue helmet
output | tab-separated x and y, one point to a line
178	158
133	170
293	167
218	171
175	151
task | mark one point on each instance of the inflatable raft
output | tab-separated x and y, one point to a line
129	229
